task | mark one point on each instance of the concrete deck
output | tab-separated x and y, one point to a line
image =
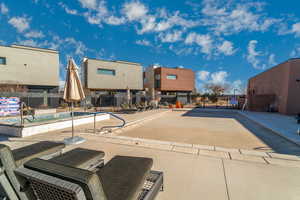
283	125
223	129
194	171
196	176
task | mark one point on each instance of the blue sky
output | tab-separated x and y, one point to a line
223	41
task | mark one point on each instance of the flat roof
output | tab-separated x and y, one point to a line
33	48
30	48
179	68
278	65
117	61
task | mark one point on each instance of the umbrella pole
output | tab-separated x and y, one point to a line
72	114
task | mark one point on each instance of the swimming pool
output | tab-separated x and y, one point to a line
12	126
41	118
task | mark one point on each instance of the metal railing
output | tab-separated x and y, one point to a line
22	105
108	127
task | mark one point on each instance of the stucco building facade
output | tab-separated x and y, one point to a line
34	68
179	82
102	75
276	89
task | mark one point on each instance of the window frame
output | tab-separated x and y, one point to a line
107	70
172	75
3	58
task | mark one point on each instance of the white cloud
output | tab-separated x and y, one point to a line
80	48
203	75
88	3
34	34
113	20
204	41
237	87
253	55
29	42
143	42
271	60
219	77
68	10
134	10
232	17
295	52
3	9
148	24
171	36
226	48
296	29
98	13
171	20
20	23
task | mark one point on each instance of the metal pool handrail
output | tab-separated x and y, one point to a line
21	114
113	115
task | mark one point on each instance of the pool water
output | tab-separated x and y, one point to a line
42	117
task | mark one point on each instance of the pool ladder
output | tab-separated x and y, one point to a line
107	129
23	104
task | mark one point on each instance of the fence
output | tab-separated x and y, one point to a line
54	100
36	100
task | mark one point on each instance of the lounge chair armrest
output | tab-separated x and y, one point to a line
87	180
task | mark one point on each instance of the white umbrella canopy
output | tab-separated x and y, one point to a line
73	92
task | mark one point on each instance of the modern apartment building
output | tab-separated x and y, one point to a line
117	76
277	89
179	82
36	69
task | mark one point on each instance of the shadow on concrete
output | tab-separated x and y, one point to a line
274	142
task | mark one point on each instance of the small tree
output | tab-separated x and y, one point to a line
215	90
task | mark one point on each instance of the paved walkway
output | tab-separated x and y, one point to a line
283	125
196	176
197	172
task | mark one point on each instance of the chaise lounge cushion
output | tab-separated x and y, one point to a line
80	158
123	177
39	149
120	179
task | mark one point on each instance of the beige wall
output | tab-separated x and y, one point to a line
279	81
127	75
29	66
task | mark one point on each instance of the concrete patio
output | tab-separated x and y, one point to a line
193	171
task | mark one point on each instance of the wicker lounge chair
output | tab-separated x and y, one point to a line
127	109
12	159
122	178
81	158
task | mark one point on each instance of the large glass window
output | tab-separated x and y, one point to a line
171	76
2	61
106	71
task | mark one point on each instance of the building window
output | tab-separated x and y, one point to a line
2	61
106	71
171	76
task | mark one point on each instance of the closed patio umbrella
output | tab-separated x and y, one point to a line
73	92
128	96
